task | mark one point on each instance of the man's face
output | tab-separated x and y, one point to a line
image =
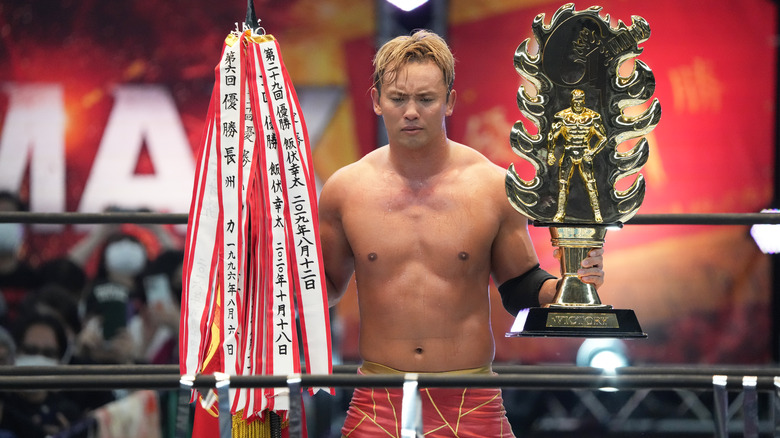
415	105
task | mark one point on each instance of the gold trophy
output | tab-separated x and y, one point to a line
581	93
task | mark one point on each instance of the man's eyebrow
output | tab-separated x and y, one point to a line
424	93
396	93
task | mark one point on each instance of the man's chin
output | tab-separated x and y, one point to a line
412	141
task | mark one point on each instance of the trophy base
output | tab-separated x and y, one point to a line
576	322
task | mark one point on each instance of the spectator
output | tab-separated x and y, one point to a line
41	341
118	328
64	273
17	277
156	326
112	300
55	301
170	263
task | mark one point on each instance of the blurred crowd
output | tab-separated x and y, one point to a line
113	298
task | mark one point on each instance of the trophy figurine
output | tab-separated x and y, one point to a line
585	144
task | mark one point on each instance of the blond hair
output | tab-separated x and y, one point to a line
422	45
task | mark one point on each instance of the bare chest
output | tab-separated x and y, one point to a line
421	223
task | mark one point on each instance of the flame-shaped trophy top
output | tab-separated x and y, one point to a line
579	112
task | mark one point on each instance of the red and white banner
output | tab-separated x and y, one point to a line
253	270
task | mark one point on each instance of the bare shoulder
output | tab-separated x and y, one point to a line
483	173
348	178
476	161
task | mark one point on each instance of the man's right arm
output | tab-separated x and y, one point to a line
337	255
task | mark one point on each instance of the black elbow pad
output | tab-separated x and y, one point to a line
522	291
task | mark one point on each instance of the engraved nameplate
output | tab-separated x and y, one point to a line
586	320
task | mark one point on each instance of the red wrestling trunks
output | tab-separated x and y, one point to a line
446	412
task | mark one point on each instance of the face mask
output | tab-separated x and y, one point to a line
125	257
11	237
26	360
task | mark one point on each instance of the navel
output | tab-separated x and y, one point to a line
418	350
372	256
463	255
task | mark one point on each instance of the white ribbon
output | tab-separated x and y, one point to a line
252	254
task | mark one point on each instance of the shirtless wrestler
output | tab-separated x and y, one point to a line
423	223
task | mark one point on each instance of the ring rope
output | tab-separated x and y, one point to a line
181	218
658	378
65	370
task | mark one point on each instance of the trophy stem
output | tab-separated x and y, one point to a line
576	310
575	244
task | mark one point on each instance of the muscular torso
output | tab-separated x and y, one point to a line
422	252
422	269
